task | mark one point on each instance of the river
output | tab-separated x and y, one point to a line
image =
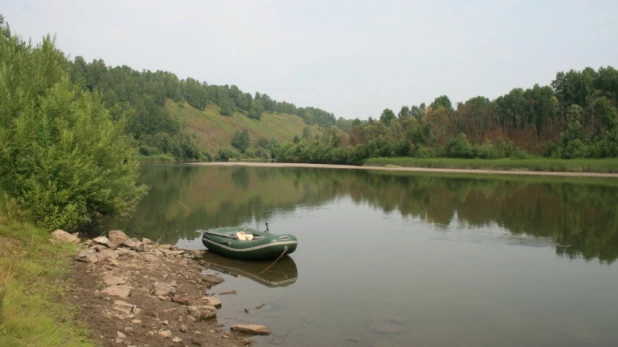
403	259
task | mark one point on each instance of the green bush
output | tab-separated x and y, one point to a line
518	153
487	151
424	152
459	148
63	159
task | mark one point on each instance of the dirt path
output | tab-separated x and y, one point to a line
415	169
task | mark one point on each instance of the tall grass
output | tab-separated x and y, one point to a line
608	165
34	310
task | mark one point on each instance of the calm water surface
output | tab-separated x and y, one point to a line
392	259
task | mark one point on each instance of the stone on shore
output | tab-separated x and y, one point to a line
122	306
134	244
62	235
212	280
116	236
101	240
253	329
88	256
109	253
212	301
118	290
165	333
162	289
111	280
202	312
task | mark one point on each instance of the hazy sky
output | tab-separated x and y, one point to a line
352	58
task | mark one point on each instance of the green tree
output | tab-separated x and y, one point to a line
442	102
226	107
306	133
387	116
572	138
256	109
241	140
63	159
404	112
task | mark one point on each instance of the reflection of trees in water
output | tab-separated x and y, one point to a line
240	177
583	217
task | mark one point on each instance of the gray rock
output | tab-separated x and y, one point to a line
253	329
150	258
131	243
101	240
169	253
202	312
141	247
212	279
229	292
194	254
111	280
212	301
165	333
134	244
88	256
120	291
116	236
62	235
162	289
183	300
124	251
109	253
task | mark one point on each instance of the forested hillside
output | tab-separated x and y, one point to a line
214	133
143	96
574	117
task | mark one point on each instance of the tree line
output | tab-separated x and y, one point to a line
574	117
143	94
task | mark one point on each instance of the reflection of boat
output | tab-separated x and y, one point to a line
246	243
282	273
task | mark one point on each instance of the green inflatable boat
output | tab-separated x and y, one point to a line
247	243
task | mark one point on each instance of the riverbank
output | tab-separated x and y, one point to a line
57	290
390	167
35	298
535	164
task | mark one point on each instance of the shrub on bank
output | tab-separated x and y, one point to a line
63	159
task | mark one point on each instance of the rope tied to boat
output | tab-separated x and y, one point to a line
275	262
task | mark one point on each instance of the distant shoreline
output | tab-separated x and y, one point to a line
413	169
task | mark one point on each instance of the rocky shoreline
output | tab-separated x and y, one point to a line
139	293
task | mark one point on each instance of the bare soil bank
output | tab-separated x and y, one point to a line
414	169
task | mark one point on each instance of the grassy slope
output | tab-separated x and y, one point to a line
214	131
34	307
609	165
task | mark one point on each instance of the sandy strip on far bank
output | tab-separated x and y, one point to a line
413	169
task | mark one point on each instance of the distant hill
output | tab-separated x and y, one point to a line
213	131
